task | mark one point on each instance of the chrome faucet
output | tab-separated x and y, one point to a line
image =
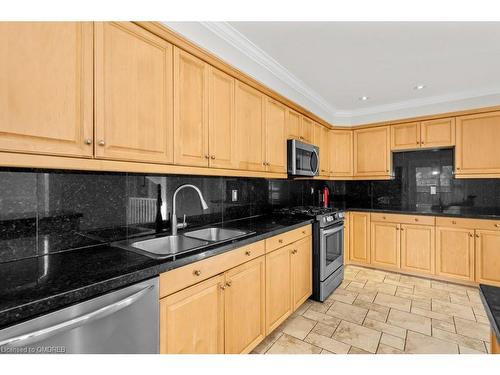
174	216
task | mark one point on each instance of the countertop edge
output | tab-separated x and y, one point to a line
420	213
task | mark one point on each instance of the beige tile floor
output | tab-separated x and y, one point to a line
386	313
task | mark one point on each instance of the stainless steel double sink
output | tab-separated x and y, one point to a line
163	247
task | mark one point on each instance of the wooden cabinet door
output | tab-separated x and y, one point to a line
301	263
307	130
477	150
192	320
372	154
275	136
322	140
385	244
250	109
222	129
455	253
341	153
437	133
417	248
46	75
347	225
191	91
293	125
245	299
405	136
278	287
488	257
359	237
133	94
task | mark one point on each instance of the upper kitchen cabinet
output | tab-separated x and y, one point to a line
341	153
275	136
299	127
437	133
322	140
250	113
477	152
405	136
307	129
191	103
222	129
133	94
46	75
372	153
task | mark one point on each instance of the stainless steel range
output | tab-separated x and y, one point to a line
328	247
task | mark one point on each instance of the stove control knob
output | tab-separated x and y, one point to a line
329	218
341	215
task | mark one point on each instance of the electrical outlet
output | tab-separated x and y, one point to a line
234	195
433	190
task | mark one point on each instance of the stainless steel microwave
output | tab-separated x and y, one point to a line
303	158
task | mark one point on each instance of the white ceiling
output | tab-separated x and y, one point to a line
327	66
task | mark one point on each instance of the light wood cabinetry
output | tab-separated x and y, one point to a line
385	244
405	136
418	248
437	133
307	129
46	75
133	94
495	344
278	287
487	247
299	127
425	134
250	116
192	320
322	140
372	152
455	253
221	123
228	303
477	151
191	92
275	136
359	237
301	266
341	153
245	301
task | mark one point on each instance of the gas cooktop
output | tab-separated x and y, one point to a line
310	211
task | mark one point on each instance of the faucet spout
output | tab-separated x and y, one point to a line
204	205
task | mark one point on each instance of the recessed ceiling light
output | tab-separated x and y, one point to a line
363	98
419	87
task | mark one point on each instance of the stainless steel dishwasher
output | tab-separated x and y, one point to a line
122	321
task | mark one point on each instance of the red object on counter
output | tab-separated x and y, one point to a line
326	196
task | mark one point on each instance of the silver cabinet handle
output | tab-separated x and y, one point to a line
88	141
101	142
67	325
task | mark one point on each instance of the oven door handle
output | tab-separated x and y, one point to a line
335	229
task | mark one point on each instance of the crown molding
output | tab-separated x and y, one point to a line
232	36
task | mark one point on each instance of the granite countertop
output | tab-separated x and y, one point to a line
491	213
34	286
490	296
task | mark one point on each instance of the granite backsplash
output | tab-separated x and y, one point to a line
43	212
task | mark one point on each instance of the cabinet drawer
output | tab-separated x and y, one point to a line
180	278
403	219
468	223
283	239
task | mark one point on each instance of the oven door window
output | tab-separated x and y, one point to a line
332	249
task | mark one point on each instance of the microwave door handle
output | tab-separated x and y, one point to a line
317	161
27	338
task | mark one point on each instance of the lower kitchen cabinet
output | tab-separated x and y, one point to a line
385	244
244	301
487	257
359	237
418	248
455	253
192	320
278	286
301	270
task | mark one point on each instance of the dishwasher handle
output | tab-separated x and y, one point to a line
28	338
